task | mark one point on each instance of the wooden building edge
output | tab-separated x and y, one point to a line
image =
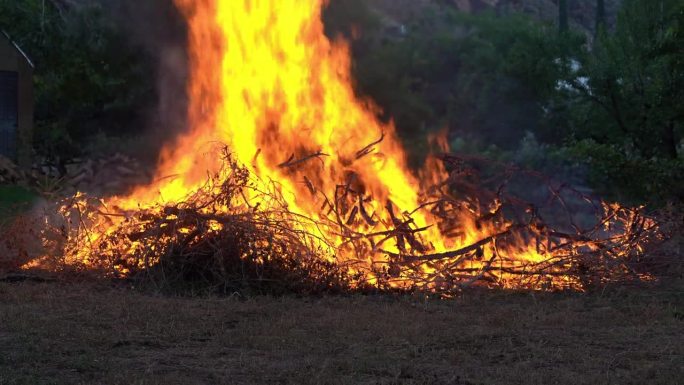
16	102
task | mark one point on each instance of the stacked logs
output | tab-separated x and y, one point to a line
10	172
103	175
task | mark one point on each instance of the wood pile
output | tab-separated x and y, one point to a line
10	172
105	175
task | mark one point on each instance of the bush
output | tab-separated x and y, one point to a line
88	78
484	77
14	200
627	113
611	106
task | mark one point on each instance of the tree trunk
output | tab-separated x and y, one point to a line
563	23
600	17
670	140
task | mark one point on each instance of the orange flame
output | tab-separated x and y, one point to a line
268	83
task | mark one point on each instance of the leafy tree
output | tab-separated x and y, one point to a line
510	87
88	78
612	106
600	17
628	115
563	20
486	78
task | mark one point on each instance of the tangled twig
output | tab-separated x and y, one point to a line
235	233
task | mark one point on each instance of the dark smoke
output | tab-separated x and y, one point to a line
158	29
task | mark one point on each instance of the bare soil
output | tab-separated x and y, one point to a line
86	333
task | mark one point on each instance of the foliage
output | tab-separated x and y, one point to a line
627	176
13	200
626	119
350	18
454	70
563	20
88	78
611	106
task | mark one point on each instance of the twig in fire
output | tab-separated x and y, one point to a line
236	233
292	162
369	148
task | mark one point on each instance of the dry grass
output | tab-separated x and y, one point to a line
55	333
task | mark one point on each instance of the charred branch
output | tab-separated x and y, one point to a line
292	162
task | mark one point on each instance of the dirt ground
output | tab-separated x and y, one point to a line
56	333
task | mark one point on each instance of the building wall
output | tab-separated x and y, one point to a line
12	60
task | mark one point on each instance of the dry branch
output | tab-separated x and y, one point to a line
292	162
220	239
369	148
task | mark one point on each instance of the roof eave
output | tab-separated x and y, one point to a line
21	51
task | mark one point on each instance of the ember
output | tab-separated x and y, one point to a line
313	193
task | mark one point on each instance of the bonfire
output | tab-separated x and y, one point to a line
285	179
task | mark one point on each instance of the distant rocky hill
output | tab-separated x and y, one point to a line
582	13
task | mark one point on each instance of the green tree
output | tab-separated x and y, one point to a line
563	20
613	106
88	78
628	115
600	17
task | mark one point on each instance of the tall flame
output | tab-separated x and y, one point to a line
268	83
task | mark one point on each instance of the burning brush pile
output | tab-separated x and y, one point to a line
313	193
215	237
236	232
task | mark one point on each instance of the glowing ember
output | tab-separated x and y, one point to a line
268	83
